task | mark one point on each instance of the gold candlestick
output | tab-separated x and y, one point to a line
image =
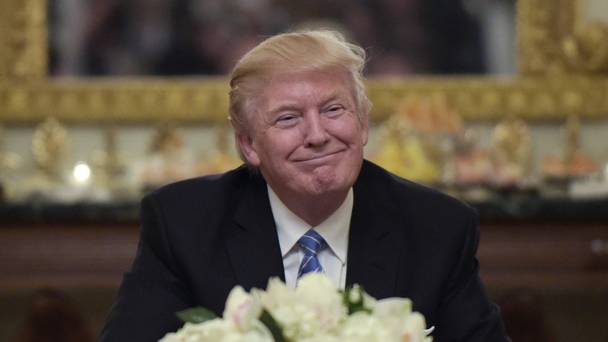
8	161
49	146
512	151
109	163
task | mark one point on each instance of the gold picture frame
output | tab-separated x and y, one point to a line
559	74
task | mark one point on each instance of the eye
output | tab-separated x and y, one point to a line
334	110
286	120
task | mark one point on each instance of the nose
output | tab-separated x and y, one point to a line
316	133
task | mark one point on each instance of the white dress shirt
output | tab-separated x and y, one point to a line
334	230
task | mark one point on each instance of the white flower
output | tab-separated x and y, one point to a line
361	327
242	308
313	312
391	307
277	294
403	324
219	330
318	292
214	330
321	338
356	294
413	328
280	301
314	308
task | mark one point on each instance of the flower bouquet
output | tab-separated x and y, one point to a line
314	311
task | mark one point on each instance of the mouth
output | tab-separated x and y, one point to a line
319	159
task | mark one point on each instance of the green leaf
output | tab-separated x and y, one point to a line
354	305
196	315
273	326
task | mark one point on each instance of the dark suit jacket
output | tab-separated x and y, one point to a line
201	237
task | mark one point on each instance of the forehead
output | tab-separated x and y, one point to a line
303	86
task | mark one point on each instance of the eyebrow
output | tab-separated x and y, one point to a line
335	95
284	107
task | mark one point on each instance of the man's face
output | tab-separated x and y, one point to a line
306	136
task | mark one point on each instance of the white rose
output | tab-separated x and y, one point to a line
257	333
280	301
318	293
314	307
369	302
321	338
397	315
361	327
413	329
391	307
214	330
276	294
313	312
242	308
218	330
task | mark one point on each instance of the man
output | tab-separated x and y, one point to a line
299	110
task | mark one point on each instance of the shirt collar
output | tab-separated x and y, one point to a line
334	229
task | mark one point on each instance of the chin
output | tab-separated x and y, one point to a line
325	184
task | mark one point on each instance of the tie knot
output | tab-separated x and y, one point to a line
311	242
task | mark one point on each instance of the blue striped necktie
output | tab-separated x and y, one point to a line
311	244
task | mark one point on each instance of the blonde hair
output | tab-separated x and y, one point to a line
294	52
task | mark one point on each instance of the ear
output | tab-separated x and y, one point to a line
364	130
248	148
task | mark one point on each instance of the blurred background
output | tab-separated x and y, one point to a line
69	192
184	37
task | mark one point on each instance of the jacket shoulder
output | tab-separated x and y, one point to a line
195	200
417	198
209	186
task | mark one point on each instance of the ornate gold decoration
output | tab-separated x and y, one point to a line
23	29
529	98
553	60
542	25
222	156
166	141
573	161
418	141
573	137
554	38
406	153
109	161
206	100
512	150
9	167
49	148
8	160
586	49
167	159
90	100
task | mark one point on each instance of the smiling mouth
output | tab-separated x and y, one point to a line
319	158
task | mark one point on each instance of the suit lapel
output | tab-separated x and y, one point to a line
252	242
374	247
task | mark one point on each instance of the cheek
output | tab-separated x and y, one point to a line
276	149
353	134
286	141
